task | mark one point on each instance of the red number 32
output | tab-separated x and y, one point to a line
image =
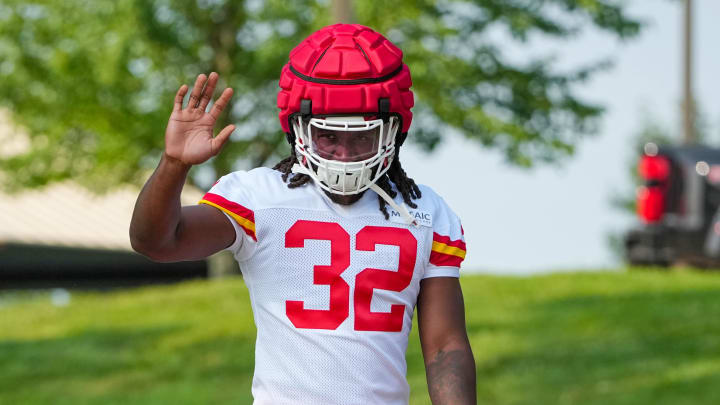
365	282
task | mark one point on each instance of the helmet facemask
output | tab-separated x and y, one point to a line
345	155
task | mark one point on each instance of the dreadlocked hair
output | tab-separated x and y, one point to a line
285	167
405	185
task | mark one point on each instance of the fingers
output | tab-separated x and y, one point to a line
179	98
221	103
197	91
201	95
208	91
221	138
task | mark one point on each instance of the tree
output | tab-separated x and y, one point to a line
92	81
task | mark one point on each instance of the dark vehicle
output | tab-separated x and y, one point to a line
678	206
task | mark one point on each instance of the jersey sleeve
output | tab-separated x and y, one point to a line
231	195
448	244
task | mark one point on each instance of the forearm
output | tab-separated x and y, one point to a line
157	211
451	375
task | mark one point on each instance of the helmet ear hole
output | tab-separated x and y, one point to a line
305	109
384	109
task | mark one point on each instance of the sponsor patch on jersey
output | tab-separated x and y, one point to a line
423	218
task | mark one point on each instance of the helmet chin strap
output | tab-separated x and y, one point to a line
402	209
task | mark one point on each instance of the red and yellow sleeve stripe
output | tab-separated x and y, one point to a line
447	252
243	216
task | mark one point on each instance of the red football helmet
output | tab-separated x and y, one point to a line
345	95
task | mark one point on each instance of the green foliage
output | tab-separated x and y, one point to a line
586	338
92	81
464	81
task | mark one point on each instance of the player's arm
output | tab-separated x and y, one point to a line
449	362
160	228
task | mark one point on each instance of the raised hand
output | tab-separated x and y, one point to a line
189	134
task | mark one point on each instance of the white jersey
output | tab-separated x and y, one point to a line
333	288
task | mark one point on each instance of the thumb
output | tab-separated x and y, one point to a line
221	138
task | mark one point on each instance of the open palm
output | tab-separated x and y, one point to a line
189	134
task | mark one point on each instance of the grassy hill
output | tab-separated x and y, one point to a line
585	338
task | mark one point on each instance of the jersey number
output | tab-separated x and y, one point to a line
365	281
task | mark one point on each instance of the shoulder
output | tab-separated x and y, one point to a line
429	195
443	217
260	176
264	188
448	247
260	179
247	187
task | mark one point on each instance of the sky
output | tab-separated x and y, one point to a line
559	218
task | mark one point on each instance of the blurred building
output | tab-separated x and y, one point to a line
65	236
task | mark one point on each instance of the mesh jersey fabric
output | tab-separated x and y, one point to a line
333	288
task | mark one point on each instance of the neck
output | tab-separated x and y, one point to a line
344	199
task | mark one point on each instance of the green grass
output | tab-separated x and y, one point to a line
585	338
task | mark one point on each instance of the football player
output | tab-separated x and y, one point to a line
337	245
